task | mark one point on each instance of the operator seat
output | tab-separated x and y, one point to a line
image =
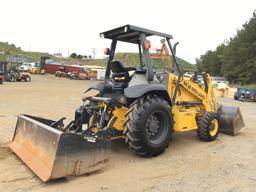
119	72
120	77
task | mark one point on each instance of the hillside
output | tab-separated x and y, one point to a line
130	59
7	49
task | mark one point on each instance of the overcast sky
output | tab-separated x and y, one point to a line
74	26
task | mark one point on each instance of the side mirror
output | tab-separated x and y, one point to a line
174	47
106	51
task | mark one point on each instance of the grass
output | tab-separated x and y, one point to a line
7	49
130	59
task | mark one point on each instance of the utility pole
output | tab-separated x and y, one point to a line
94	52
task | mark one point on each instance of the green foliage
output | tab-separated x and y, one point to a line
211	61
132	60
79	56
237	59
73	55
12	50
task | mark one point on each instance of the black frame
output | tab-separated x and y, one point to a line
136	35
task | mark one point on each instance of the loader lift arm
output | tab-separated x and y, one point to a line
206	95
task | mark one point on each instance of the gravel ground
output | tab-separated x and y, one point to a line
228	164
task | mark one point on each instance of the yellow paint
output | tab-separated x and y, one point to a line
214	131
36	70
185	117
117	137
120	114
119	78
95	129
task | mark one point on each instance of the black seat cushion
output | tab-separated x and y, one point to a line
118	67
120	73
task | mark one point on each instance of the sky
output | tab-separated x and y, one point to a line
73	26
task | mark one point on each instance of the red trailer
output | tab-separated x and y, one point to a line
52	68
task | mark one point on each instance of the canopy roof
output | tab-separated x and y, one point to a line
131	34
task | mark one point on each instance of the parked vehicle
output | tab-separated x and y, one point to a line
61	72
14	75
92	74
25	67
10	73
36	70
243	94
83	75
72	75
87	74
1	78
39	68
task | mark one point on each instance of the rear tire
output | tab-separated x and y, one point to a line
27	78
148	125
208	126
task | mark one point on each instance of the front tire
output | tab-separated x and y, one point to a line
208	126
27	78
11	78
148	125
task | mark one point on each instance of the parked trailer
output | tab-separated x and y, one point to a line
52	68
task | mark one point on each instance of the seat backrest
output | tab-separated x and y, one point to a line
119	72
118	67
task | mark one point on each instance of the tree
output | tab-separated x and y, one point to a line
240	54
211	61
236	59
79	56
73	55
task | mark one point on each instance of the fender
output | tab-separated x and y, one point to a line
98	86
101	87
140	90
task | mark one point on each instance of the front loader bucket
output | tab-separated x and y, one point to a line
52	154
231	120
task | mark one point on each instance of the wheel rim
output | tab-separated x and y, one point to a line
156	126
11	78
214	127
